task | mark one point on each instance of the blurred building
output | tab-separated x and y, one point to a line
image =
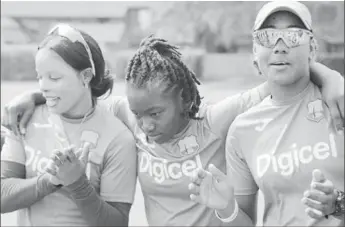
112	24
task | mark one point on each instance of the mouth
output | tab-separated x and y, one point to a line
52	101
153	136
280	63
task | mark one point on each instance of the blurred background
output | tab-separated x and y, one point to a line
215	40
215	37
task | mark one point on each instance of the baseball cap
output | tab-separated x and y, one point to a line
294	7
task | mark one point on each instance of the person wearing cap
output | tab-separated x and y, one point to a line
282	146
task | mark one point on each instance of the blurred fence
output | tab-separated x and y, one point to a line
18	63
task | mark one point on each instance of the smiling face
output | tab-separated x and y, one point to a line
280	64
59	82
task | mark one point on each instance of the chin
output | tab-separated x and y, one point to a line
55	110
159	139
283	79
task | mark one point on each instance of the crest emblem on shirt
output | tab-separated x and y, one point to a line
315	111
188	145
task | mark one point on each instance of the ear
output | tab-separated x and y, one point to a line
86	76
313	50
255	59
186	107
254	50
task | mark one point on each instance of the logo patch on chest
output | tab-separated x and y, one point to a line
315	111
188	145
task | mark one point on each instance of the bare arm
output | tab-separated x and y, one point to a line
321	75
331	84
246	211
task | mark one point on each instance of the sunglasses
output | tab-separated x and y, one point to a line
292	37
73	35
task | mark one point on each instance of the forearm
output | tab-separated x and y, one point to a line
96	211
19	193
252	97
241	219
321	75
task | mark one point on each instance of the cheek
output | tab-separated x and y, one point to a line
262	56
70	91
300	54
300	57
169	122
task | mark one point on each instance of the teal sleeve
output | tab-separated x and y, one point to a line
18	193
94	209
220	115
237	167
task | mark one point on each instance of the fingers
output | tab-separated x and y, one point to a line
84	157
70	154
336	121
316	196
4	118
318	176
198	176
24	121
195	198
326	188
314	204
58	158
78	152
51	168
12	119
340	104
194	189
313	213
219	175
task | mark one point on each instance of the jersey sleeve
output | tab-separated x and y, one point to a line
220	115
13	149
118	178
237	168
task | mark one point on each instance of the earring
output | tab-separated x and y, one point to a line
256	65
86	85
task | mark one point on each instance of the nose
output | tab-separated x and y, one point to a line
280	47
147	125
44	84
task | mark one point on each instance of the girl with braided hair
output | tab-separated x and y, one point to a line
175	133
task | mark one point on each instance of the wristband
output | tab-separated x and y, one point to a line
232	216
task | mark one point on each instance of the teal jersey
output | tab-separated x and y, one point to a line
111	168
275	146
164	170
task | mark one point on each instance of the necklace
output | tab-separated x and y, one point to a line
59	130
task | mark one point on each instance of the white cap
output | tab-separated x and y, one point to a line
294	7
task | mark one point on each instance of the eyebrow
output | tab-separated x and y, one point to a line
154	108
150	109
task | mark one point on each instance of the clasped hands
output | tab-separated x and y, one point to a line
66	166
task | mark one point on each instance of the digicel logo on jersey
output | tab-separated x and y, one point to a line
286	162
35	161
160	169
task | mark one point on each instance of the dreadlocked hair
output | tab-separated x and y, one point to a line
157	60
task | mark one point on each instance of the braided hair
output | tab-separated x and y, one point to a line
158	61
